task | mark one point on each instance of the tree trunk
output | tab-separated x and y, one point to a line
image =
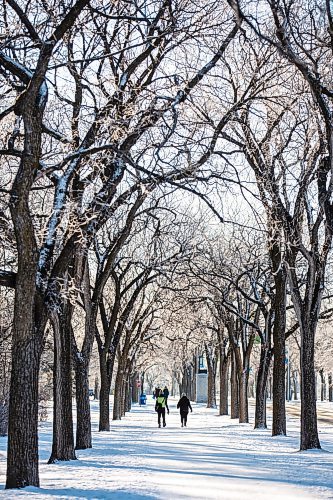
211	393
96	388
261	388
243	400
135	396
194	378
173	386
142	381
279	384
243	369
83	419
288	379
295	385
234	405
127	402
224	368
330	387
4	417
322	385
104	395
211	399
123	398
186	383
63	435
22	458
251	393
309	430
270	388
117	400
27	344
81	359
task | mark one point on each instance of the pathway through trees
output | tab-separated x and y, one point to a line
214	457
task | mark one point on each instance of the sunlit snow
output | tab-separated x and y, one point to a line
213	458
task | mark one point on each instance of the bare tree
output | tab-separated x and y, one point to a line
84	156
302	35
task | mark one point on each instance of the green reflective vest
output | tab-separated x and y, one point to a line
161	401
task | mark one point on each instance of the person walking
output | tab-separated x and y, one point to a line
166	394
160	407
184	405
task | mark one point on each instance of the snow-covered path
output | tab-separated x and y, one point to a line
214	457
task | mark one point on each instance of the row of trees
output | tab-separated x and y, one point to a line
109	111
231	289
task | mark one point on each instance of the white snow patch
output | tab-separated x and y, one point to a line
213	458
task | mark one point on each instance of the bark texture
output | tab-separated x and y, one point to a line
83	419
261	389
22	458
224	369
211	371
309	427
63	435
104	395
279	383
234	404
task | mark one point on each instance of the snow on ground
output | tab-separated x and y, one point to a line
213	458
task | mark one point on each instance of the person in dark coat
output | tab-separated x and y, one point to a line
166	394
156	392
184	405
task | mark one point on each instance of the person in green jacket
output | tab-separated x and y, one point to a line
160	406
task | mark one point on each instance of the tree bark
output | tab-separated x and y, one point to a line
224	368
186	383
194	378
261	389
127	395
270	388
22	458
330	387
142	377
3	417
243	369
243	399
63	434
279	383
118	393
123	397
81	360
309	428
322	385
135	396
211	391
234	406
96	388
104	395
295	385
83	418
